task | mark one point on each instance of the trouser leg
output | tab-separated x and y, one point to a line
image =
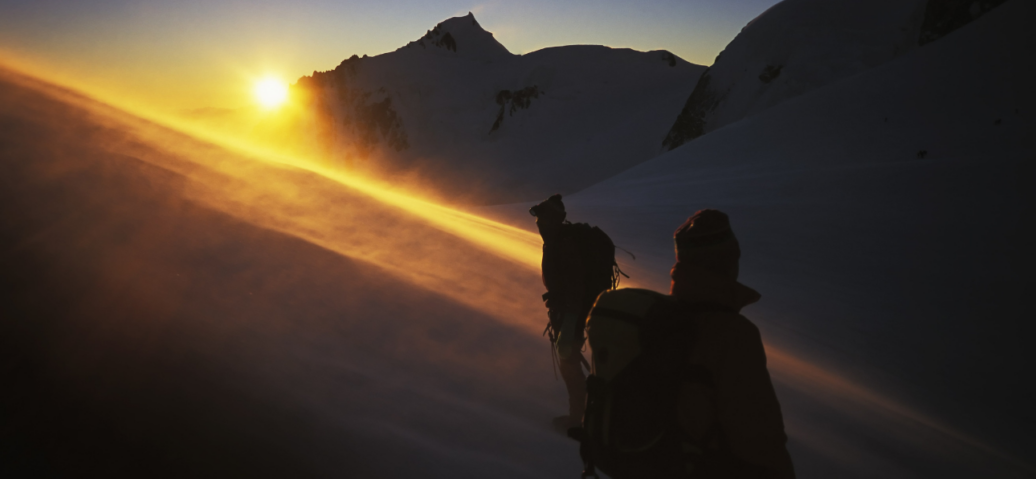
575	381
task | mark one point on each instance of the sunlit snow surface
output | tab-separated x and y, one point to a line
172	308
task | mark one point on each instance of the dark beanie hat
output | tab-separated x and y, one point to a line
554	203
706	240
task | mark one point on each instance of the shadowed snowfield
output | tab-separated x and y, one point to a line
174	308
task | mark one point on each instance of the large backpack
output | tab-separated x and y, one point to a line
602	272
640	342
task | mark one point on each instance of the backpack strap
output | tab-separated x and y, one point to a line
616	314
697	308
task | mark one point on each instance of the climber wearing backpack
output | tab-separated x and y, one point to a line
578	264
679	386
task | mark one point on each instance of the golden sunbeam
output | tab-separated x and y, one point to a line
244	185
518	245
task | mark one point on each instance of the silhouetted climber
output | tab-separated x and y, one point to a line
578	264
679	386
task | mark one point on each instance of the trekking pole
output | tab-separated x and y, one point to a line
580	434
554	361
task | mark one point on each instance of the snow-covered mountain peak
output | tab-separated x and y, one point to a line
792	48
470	116
462	37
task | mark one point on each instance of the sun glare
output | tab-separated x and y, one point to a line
271	92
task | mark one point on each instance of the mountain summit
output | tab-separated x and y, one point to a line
462	36
491	126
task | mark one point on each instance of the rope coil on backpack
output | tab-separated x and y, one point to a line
618	271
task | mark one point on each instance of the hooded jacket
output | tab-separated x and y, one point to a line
741	400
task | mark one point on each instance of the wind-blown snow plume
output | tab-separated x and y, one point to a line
191	309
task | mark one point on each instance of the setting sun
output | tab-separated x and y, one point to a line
271	92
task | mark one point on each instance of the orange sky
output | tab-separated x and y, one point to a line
194	54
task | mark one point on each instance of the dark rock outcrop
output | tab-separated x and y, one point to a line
367	117
691	122
669	58
463	36
349	66
377	121
770	73
447	42
519	100
437	38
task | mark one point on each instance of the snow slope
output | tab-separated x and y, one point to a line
793	48
471	117
905	282
169	308
175	308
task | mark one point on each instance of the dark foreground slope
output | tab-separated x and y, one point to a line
144	333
